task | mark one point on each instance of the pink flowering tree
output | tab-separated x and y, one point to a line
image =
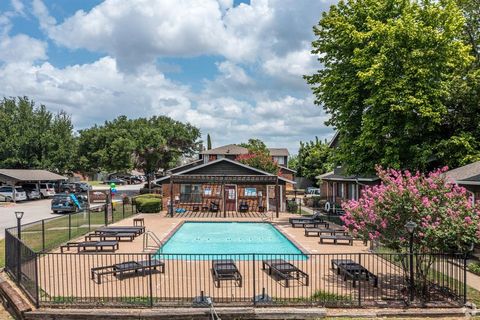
446	220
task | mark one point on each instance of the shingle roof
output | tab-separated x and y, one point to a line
228	149
29	175
279	152
236	149
468	173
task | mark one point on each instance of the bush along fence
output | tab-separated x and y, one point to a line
71	279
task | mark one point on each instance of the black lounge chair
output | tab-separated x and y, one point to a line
138	230
214	207
310	223
118	236
337	238
119	270
319	231
97	246
285	271
243	207
223	270
315	217
353	270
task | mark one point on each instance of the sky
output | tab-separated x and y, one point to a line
232	68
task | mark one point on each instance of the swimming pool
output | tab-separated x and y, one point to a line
229	238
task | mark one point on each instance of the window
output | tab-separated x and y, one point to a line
340	190
190	193
352	191
279	160
250	192
207	191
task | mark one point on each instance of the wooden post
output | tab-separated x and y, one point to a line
277	200
171	197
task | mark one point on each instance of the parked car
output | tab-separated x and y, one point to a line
67	187
9	192
47	190
116	181
63	202
312	192
32	190
83	186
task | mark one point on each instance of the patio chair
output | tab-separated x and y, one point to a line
118	236
225	270
337	238
97	246
214	207
119	270
285	271
354	271
243	207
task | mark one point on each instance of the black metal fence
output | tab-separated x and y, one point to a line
334	280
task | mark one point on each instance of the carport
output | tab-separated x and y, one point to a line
14	177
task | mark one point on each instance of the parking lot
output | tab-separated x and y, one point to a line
40	209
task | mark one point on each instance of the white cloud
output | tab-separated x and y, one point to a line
21	48
293	65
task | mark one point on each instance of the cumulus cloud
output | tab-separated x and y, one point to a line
257	91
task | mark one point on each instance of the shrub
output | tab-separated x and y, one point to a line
474	267
292	206
148	203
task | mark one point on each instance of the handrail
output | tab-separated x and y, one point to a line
157	242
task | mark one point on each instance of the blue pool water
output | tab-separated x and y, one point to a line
229	238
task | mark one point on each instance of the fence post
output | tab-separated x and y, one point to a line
69	225
123	208
150	280
465	278
359	283
254	281
37	295
89	224
43	234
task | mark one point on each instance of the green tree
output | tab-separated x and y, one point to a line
258	156
255	146
33	137
209	142
314	158
390	69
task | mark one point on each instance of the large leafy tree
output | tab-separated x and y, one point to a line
314	158
147	144
258	156
33	137
390	71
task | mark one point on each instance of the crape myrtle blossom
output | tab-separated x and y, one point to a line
446	220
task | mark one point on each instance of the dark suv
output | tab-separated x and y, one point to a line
63	202
67	187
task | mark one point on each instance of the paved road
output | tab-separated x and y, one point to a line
39	209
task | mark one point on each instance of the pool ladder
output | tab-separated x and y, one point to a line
151	243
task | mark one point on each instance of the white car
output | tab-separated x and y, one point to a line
47	190
10	193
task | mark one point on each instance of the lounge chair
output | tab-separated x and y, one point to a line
118	236
353	270
119	270
310	223
96	245
337	238
243	207
214	207
223	270
285	271
138	230
315	217
318	231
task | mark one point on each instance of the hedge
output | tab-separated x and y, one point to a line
148	203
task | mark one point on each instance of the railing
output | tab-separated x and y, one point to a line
157	243
251	280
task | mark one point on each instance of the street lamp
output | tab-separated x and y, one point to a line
411	226
19	216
